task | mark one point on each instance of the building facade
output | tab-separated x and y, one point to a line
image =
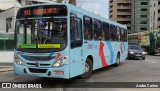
140	16
120	11
30	2
155	15
7	19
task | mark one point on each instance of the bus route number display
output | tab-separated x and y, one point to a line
45	11
42	11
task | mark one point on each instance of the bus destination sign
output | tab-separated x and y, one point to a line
42	11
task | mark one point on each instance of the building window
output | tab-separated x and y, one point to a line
144	3
159	11
143	29
143	16
143	9
123	10
123	16
158	2
159	19
143	22
111	16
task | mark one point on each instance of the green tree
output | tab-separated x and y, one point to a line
59	1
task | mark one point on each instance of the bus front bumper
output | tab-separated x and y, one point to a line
50	72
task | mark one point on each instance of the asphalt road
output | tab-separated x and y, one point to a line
134	70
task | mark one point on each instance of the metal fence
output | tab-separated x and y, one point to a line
6	41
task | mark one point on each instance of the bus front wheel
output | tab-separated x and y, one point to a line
87	69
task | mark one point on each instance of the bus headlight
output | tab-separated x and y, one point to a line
17	60
60	62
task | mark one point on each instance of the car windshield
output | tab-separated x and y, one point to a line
41	35
134	47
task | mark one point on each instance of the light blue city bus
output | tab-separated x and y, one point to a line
64	41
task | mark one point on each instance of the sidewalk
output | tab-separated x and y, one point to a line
5	67
6	56
6	60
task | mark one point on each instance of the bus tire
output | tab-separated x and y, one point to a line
117	60
88	69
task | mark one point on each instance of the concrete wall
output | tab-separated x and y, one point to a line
6	56
6	14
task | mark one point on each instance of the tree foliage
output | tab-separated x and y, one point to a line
59	1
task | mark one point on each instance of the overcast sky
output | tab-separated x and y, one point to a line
5	4
96	6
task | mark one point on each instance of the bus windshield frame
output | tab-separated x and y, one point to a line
41	35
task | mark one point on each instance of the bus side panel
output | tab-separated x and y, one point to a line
124	51
76	62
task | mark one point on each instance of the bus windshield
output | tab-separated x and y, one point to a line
41	35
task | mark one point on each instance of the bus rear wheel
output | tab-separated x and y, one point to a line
87	69
117	61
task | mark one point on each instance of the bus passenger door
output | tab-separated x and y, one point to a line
76	40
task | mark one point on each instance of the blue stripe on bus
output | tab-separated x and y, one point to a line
111	51
51	54
124	46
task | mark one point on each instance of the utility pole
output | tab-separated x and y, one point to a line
72	2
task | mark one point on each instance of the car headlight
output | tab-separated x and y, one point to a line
17	60
131	52
60	62
143	52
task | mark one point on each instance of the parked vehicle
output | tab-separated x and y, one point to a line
150	41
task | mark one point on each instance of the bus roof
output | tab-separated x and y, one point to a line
87	13
84	12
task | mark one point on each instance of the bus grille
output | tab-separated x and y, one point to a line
37	58
34	64
37	70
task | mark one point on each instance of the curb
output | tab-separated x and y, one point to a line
6	69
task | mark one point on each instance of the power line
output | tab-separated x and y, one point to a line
81	3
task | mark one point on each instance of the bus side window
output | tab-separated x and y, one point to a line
97	30
122	35
118	34
76	32
88	28
126	33
115	34
112	33
105	32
